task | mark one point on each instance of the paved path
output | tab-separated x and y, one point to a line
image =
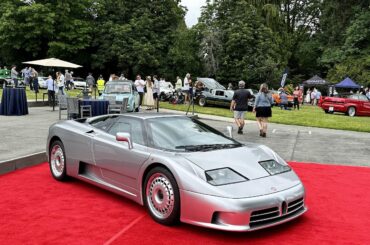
23	135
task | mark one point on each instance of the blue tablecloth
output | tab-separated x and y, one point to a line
98	107
13	102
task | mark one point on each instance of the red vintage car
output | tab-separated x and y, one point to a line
352	105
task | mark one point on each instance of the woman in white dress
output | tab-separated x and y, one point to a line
148	97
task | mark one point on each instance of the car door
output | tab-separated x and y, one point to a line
364	105
219	97
120	165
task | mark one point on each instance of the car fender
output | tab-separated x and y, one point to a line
187	175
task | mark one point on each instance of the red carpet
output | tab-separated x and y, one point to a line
36	209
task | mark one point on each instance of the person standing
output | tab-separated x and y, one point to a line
239	105
262	108
283	99
122	77
318	97
313	96
139	83
230	86
68	77
59	83
14	75
156	91
186	87
178	85
51	90
148	98
90	81
100	84
297	94
34	80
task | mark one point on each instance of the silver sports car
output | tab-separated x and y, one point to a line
180	169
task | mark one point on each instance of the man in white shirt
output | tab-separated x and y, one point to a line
139	83
51	90
62	83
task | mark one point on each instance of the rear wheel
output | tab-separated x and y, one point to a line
351	111
57	161
161	196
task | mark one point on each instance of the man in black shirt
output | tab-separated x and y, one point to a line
239	105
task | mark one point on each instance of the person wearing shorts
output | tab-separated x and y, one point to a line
239	105
262	108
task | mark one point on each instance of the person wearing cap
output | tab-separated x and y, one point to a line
239	105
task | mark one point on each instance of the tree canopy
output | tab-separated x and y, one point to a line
234	39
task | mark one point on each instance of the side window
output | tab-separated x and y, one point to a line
363	97
131	126
220	93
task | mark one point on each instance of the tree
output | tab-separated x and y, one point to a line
243	47
135	36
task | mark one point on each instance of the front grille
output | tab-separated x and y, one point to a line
273	215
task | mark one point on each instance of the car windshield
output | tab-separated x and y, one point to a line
211	83
121	88
185	134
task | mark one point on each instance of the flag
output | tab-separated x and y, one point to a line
285	74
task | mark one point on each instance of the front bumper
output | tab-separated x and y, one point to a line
245	214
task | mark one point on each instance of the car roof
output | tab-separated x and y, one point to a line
119	81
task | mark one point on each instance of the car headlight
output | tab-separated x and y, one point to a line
223	176
273	167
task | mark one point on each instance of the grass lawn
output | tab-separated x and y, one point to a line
311	116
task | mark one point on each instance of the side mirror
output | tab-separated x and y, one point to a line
125	137
230	131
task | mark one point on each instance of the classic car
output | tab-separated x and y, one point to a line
352	105
179	168
42	82
79	83
276	98
121	89
166	90
216	94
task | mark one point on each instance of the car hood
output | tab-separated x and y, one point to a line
244	160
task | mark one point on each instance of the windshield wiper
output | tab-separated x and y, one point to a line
206	147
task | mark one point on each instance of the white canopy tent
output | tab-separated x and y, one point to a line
52	62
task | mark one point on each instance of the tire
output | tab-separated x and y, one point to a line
351	111
162	97
326	111
57	161
161	196
136	109
202	101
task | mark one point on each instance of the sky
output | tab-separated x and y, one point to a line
193	13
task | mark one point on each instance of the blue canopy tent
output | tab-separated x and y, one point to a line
347	83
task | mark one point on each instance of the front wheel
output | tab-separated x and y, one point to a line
202	101
161	196
57	161
351	111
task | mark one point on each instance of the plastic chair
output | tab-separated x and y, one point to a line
62	103
85	109
72	108
118	108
